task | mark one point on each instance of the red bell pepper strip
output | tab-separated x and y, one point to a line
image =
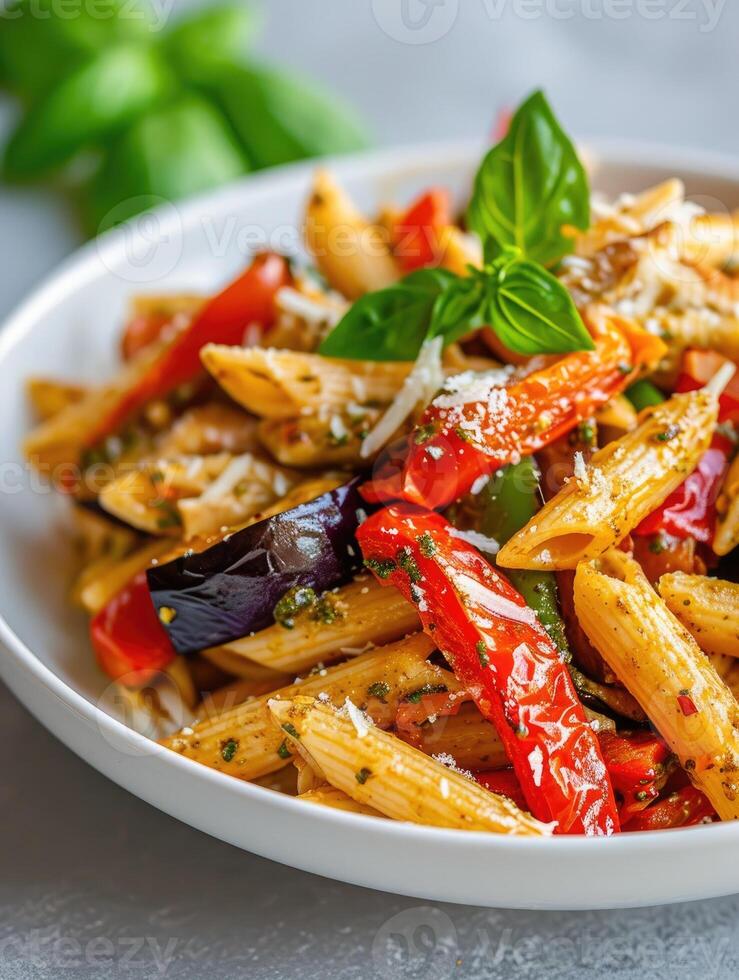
505	782
697	369
504	658
456	444
250	299
130	643
638	764
416	235
690	510
683	808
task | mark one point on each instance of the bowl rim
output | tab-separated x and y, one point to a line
78	268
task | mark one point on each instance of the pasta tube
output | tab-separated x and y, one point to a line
243	741
660	663
707	607
378	770
726	536
337	800
466	738
625	481
362	613
283	384
352	253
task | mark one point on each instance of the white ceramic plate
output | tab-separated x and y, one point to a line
68	328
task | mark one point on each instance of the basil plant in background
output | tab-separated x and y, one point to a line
121	110
529	189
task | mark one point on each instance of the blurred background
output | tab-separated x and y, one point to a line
109	105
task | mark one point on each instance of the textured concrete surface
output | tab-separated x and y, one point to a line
95	883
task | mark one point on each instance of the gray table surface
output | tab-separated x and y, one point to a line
95	883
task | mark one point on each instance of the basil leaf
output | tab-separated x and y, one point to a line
181	149
43	41
460	308
533	313
529	186
390	324
205	43
280	118
91	104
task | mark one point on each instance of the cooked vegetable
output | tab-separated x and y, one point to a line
232	588
417	234
502	655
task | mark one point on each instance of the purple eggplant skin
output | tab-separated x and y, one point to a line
232	588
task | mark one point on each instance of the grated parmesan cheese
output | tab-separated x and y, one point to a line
480	541
358	718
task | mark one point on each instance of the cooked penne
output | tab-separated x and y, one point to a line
337	800
95	589
49	397
625	481
282	384
660	663
703	328
313	441
726	535
202	430
380	771
352	253
359	614
707	607
466	738
245	743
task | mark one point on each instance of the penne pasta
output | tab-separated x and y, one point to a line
362	614
313	441
625	481
337	800
726	535
707	607
96	588
244	742
466	738
660	663
48	397
378	770
283	384
352	253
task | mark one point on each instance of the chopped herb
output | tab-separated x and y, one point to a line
658	544
379	690
294	601
170	515
240	489
283	751
427	545
415	696
424	432
464	436
408	563
326	610
586	433
482	653
669	433
363	775
291	730
156	476
383	567
228	749
416	594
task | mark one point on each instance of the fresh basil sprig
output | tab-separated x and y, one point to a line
529	186
529	309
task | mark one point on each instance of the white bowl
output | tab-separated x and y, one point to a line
68	328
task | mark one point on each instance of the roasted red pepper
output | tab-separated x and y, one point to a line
505	782
248	300
417	235
690	511
130	643
505	660
683	808
638	764
460	441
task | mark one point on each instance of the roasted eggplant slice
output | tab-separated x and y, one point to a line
232	588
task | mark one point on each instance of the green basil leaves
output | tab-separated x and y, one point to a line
528	308
529	186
